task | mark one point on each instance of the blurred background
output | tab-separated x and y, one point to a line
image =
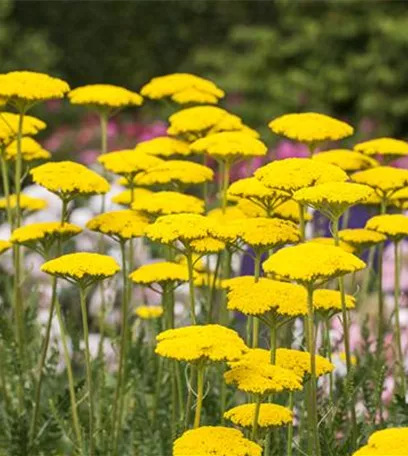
344	58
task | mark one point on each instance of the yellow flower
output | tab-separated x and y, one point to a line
182	88
165	203
44	233
104	96
125	198
400	198
361	238
207	245
330	301
292	174
160	272
68	179
28	86
176	172
27	203
209	343
394	226
270	415
330	241
387	147
347	160
259	376
194	123
387	442
231	213
82	267
127	162
179	227
385	180
163	146
119	225
310	127
30	150
311	262
149	312
9	126
4	246
230	146
215	441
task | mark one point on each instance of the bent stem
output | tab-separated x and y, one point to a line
200	393
397	292
255	321
289	444
191	285
255	418
6	185
225	183
381	328
302	223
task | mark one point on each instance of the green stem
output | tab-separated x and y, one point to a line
273	339
200	394
397	293
289	444
225	184
82	296
326	324
191	381
255	418
191	286
157	392
213	289
255	321
6	186
381	327
302	222
366	281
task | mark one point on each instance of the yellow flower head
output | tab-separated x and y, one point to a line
127	162
256	375
194	123
163	146
44	233
125	197
348	160
119	225
29	87
394	226
27	203
4	246
207	245
387	147
161	272
329	301
68	179
9	126
149	312
387	442
385	180
215	441
311	262
209	343
175	172
83	267
31	150
330	241
310	127
270	415
182	88
361	238
104	96
179	227
230	146
165	203
300	363
292	174
230	214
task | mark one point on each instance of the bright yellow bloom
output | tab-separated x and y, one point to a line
68	179
179	227
385	180
164	146
207	245
310	127
330	301
9	126
215	441
230	146
182	88
194	123
387	442
45	232
400	198
311	262
175	172
330	241
394	226
292	174
4	246
160	272
28	86
30	150
270	415
127	162
361	238
149	312
165	203
388	147
27	203
104	96
209	343
119	225
231	213
259	376
347	160
125	198
82	267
